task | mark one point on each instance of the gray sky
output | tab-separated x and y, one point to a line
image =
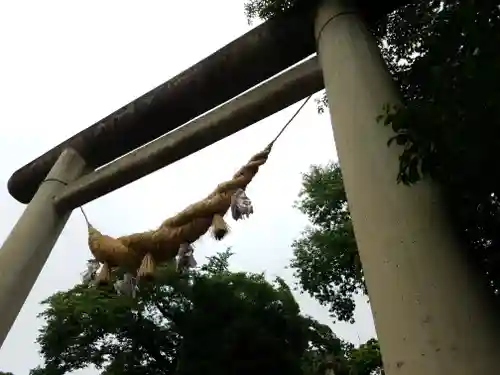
66	64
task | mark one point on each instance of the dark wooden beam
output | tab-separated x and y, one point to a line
254	105
254	57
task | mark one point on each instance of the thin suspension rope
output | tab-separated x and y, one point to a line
290	121
85	216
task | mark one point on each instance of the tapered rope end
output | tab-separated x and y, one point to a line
219	227
147	269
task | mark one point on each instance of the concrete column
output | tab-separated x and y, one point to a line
431	313
26	249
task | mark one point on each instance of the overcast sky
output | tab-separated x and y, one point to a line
66	64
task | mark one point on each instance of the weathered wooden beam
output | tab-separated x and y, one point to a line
254	57
254	105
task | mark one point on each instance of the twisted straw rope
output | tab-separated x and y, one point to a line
185	227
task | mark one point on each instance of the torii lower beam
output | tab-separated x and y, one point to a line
270	97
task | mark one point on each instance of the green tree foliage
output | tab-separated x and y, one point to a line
265	9
448	126
326	260
444	56
366	359
6	373
209	321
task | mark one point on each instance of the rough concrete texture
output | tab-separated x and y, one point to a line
26	249
431	313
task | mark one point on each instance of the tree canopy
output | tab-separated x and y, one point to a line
448	125
326	259
444	56
209	321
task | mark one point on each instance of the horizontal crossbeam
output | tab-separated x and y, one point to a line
252	106
256	56
235	68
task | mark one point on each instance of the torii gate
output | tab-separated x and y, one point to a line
431	315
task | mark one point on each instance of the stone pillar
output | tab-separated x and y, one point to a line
431	313
26	249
